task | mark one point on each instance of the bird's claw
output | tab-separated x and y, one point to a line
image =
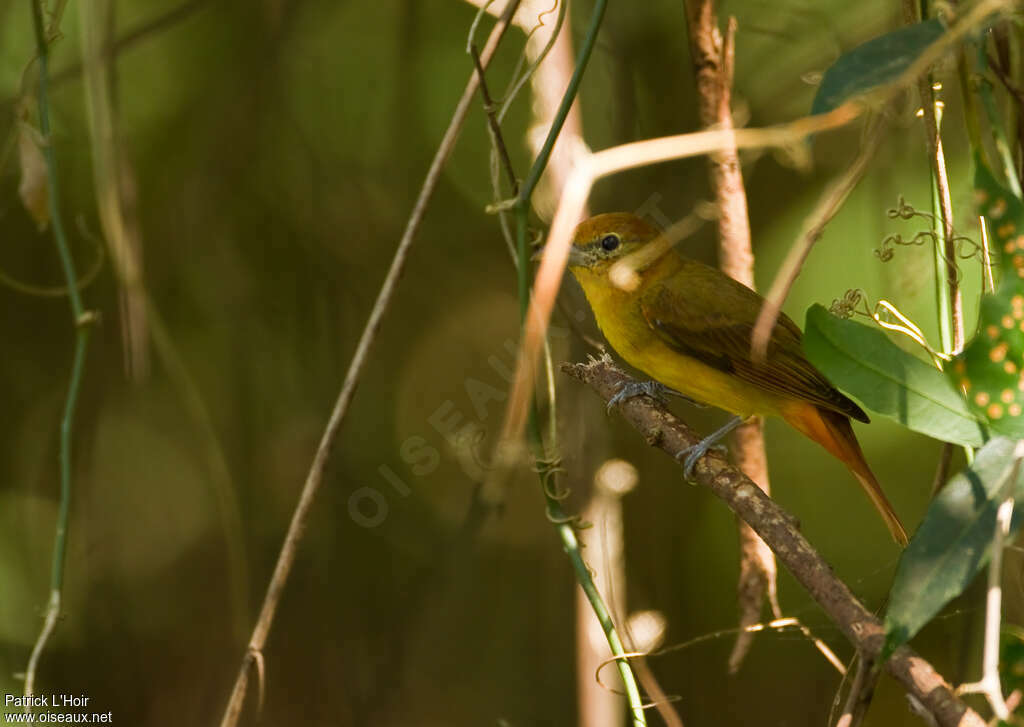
694	453
654	389
705	445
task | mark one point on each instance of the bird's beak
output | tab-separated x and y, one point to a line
576	256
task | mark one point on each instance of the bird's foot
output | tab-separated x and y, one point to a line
712	441
653	389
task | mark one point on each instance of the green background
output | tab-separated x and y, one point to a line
277	148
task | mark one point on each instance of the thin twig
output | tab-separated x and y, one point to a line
546	70
564	525
492	491
82	322
862	689
661	429
289	547
492	121
940	179
828	206
714	61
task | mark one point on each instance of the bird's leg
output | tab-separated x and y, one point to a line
653	389
709	442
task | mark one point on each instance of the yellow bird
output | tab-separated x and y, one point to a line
688	326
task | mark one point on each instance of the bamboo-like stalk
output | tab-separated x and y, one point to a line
564	525
82	321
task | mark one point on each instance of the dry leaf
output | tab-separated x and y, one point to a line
33	188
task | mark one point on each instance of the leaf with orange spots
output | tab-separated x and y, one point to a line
990	369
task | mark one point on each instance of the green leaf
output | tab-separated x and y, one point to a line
874	63
990	369
863	362
953	542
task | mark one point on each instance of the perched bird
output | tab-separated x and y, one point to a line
688	326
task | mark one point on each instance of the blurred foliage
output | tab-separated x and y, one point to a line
872	64
276	148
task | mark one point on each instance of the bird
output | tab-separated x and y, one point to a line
688	326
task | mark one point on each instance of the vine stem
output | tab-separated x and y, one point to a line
82	320
563	524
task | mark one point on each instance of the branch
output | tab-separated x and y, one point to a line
289	548
713	62
940	185
780	531
861	691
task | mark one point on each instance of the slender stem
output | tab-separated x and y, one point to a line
571	545
492	121
289	547
943	303
59	236
932	118
713	57
582	58
861	691
831	201
517	83
81	321
555	512
943	205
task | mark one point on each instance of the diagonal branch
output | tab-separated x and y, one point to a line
290	545
780	531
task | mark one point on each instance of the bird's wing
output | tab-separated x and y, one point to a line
703	313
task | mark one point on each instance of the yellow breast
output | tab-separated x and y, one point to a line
620	319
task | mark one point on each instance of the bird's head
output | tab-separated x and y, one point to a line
604	239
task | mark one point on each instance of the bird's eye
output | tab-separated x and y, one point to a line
610	242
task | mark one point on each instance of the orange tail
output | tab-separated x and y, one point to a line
833	432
